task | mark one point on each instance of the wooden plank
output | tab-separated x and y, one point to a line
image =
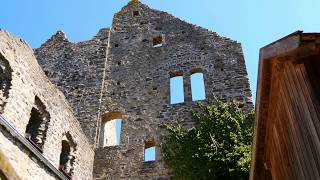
276	70
314	124
294	134
288	161
282	157
298	106
291	107
277	172
296	142
309	113
314	105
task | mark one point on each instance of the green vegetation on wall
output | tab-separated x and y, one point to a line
218	147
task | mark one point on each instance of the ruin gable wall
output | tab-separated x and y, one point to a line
130	77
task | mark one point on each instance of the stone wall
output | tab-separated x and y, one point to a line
30	89
5	81
77	70
17	162
136	82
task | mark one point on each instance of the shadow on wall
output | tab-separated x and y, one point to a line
5	81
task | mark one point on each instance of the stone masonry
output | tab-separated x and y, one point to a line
120	75
37	111
77	70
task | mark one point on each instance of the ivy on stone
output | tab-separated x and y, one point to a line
218	147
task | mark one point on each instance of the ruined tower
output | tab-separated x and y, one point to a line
124	73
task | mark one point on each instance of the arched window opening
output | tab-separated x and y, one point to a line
110	133
67	158
36	130
197	86
5	81
157	41
176	88
64	156
149	151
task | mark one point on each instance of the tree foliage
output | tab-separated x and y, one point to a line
218	147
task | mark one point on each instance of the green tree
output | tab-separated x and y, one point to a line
218	147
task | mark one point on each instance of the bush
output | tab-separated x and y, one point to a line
218	147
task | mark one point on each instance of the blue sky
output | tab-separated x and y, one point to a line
176	90
254	23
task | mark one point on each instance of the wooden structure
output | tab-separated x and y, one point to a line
286	141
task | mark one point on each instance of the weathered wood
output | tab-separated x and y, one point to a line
287	126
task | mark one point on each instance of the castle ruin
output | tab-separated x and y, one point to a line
124	72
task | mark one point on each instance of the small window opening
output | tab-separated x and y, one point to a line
176	88
111	129
116	45
46	72
64	156
36	131
197	86
67	157
157	41
149	151
135	13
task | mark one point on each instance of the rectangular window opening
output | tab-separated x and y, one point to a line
150	154
197	87
112	132
176	90
157	41
135	13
